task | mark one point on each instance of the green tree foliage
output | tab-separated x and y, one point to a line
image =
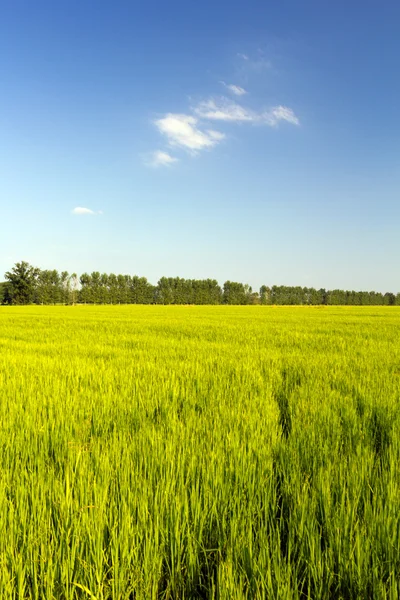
102	288
140	290
265	295
69	288
49	289
85	294
175	290
389	299
25	284
21	284
236	293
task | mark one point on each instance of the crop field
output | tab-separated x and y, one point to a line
199	452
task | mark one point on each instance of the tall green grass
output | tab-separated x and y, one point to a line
180	452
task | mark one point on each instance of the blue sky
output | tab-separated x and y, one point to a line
256	141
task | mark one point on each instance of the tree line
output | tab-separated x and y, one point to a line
26	284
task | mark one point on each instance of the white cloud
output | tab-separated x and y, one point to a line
280	113
183	131
188	131
235	89
80	210
222	109
244	56
159	158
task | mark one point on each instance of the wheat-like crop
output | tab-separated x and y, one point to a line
199	452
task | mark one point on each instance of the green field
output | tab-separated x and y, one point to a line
197	452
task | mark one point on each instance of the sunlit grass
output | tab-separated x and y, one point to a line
199	452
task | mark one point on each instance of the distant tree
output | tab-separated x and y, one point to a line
72	289
312	296
248	293
95	284
236	293
176	290
254	298
104	292
211	292
140	291
265	295
68	288
165	291
389	299
123	282
65	289
375	298
48	287
85	293
113	288
336	297
296	295
25	284
2	291
279	294
21	283
323	295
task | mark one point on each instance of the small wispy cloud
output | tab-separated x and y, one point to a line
280	113
235	89
159	158
81	210
223	109
243	56
183	131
